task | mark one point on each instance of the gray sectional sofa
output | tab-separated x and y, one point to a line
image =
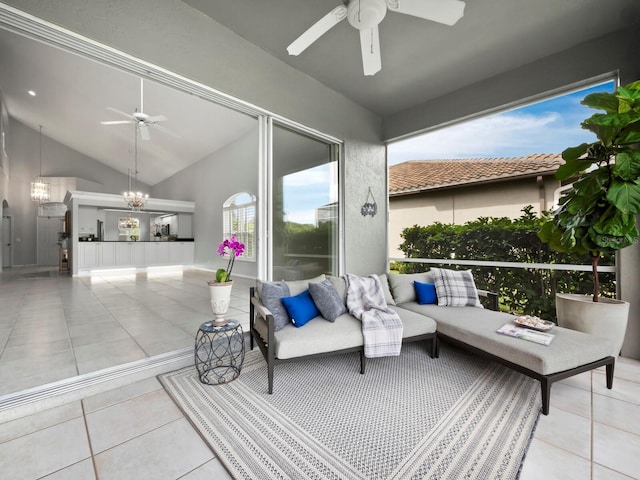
471	328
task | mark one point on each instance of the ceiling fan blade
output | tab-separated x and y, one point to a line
370	45
441	11
318	29
116	122
156	118
144	132
119	112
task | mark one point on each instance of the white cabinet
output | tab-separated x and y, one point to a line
129	254
96	255
87	255
181	253
157	253
106	254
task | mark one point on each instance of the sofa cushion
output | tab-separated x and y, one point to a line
300	308
318	337
327	299
299	286
402	287
477	327
414	324
425	293
455	288
271	295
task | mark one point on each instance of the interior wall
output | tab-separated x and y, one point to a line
185	41
209	183
58	160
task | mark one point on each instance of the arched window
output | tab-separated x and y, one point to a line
239	218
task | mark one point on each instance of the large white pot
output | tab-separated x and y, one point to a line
606	318
220	293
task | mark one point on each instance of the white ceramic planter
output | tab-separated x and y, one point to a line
220	299
606	318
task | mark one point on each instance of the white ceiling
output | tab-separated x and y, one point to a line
421	60
72	96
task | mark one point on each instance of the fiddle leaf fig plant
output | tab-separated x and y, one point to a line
596	215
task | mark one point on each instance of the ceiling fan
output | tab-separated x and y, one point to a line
140	118
365	15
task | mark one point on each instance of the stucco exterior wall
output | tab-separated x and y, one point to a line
463	204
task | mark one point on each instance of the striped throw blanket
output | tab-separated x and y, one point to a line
381	326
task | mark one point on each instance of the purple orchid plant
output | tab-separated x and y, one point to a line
233	248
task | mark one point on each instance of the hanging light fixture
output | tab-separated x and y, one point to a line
135	200
40	191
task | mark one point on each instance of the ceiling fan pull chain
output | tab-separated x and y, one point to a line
141	95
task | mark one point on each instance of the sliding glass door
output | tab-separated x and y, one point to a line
305	206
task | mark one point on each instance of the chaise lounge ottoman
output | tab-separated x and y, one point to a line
474	329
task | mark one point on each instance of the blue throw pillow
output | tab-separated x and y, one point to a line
426	293
300	308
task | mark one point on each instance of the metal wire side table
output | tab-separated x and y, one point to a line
219	352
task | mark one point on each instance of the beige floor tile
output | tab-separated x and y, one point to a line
123	421
622	389
98	356
44	451
39	421
79	471
627	368
213	469
571	399
617	413
168	452
604	473
546	462
118	395
616	449
566	430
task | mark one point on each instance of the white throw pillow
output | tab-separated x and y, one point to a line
455	288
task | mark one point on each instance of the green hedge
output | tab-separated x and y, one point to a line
531	291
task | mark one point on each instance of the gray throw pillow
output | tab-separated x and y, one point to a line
402	285
327	299
271	296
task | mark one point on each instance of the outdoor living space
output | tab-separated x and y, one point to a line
137	431
223	126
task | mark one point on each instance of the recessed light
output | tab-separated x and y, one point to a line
32	93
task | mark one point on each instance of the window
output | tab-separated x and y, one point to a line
239	217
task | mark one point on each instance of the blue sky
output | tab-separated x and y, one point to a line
549	126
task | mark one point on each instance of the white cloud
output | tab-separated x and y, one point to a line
509	134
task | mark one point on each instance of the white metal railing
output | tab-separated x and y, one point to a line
486	263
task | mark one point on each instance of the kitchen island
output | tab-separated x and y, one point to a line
105	255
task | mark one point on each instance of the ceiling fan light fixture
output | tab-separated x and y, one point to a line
366	14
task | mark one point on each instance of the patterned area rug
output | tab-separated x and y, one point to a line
410	416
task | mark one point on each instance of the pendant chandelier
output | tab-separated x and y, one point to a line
40	190
135	200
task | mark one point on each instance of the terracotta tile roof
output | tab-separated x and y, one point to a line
420	175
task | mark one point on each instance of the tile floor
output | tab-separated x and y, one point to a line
136	431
